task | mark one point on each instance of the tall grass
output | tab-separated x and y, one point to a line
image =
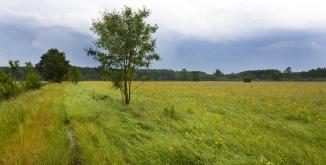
167	123
32	129
202	123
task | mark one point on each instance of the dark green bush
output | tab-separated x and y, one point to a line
32	82
74	74
247	79
8	86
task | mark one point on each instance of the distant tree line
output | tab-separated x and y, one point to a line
96	73
318	74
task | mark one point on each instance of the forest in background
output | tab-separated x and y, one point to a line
95	73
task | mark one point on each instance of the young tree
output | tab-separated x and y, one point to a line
218	73
74	74
14	68
129	43
53	66
288	70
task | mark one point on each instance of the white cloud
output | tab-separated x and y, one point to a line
207	19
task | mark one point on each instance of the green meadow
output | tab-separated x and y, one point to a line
166	123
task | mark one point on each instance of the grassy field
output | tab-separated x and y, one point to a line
167	123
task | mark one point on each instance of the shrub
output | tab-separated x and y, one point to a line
247	79
74	74
8	86
32	82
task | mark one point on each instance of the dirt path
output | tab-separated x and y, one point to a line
73	147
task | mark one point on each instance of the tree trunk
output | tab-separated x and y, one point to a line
126	93
129	90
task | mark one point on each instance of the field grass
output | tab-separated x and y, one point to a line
167	123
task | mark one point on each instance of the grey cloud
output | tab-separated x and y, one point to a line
275	49
29	43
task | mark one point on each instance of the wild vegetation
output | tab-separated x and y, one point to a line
180	122
10	87
167	123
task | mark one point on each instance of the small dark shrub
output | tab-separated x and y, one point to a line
171	113
247	79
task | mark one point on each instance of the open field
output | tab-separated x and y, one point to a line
167	123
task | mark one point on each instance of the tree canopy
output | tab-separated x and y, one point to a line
129	44
53	65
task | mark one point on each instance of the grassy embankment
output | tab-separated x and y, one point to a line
168	122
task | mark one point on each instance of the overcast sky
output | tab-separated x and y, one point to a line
231	35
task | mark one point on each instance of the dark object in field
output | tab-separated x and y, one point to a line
97	96
247	80
171	113
66	121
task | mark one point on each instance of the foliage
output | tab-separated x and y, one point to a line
195	75
14	68
268	74
317	73
184	75
88	73
74	74
33	80
258	75
288	70
8	86
276	76
129	42
247	79
53	66
218	72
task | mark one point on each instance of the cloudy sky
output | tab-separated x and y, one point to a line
231	35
